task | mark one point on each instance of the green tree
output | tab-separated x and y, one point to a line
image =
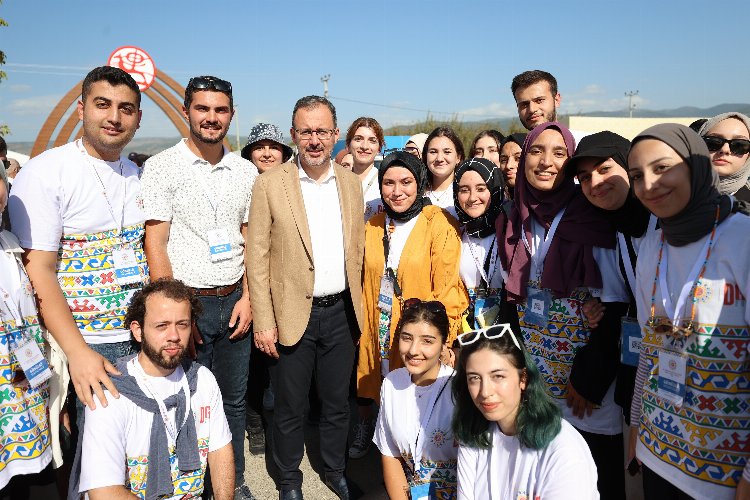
4	130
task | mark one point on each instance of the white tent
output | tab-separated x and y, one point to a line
19	157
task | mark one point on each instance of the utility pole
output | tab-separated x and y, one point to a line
325	79
237	126
630	94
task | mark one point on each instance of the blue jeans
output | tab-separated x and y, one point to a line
229	361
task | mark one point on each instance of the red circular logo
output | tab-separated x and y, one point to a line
137	63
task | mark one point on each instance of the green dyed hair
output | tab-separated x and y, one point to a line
538	418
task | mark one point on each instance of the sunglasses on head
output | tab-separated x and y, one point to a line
736	146
431	305
208	83
490	333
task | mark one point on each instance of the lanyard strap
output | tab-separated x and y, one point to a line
213	200
387	251
169	424
627	262
692	280
14	305
417	455
539	256
374	178
491	265
121	222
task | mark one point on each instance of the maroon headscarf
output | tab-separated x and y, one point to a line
570	261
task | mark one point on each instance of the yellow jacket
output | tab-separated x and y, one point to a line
428	270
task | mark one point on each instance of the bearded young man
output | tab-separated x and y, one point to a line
196	197
168	425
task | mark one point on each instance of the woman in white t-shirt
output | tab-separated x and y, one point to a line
24	431
513	442
413	432
364	140
443	151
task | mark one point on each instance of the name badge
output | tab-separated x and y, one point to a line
420	491
672	377
127	271
630	348
32	361
486	311
218	244
385	297
537	307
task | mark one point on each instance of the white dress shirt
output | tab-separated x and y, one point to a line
326	232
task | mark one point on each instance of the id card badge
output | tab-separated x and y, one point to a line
218	244
385	297
486	311
537	307
126	266
420	491
32	361
672	376
631	341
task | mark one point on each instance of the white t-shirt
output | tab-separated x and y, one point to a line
701	445
473	256
58	205
398	238
607	419
443	199
371	194
507	471
116	438
403	410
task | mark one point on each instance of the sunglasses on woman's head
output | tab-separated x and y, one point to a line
490	333
431	305
736	146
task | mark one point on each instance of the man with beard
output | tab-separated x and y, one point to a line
196	196
537	99
149	442
304	264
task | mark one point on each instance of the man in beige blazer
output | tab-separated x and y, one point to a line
305	245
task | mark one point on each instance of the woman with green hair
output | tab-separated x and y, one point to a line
513	442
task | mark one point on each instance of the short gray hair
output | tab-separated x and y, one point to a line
313	101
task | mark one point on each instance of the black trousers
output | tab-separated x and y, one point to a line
326	348
656	487
608	452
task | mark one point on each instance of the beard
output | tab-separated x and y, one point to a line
198	133
162	360
548	117
314	162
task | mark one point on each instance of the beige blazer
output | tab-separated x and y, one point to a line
278	251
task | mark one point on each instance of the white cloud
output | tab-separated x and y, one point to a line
19	88
492	110
594	97
42	104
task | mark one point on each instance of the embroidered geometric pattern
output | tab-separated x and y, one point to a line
441	475
708	437
86	273
554	348
186	486
24	427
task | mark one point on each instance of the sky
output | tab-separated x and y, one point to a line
394	60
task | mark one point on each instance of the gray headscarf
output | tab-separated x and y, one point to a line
697	218
730	184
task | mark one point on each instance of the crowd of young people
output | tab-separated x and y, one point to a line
518	304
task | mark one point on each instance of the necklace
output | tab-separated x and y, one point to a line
665	325
439	197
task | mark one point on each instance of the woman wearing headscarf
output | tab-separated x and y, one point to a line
693	385
727	137
412	249
478	199
556	248
510	155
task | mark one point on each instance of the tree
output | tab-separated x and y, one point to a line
4	130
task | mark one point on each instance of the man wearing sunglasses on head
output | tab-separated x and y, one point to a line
304	263
196	197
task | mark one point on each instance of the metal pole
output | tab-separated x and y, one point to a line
630	94
325	79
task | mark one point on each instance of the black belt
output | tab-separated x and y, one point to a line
219	291
329	300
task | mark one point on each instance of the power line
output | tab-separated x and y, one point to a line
395	107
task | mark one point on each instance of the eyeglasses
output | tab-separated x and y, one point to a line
434	306
209	82
323	133
490	333
736	146
664	326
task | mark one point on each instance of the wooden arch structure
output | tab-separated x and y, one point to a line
164	91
